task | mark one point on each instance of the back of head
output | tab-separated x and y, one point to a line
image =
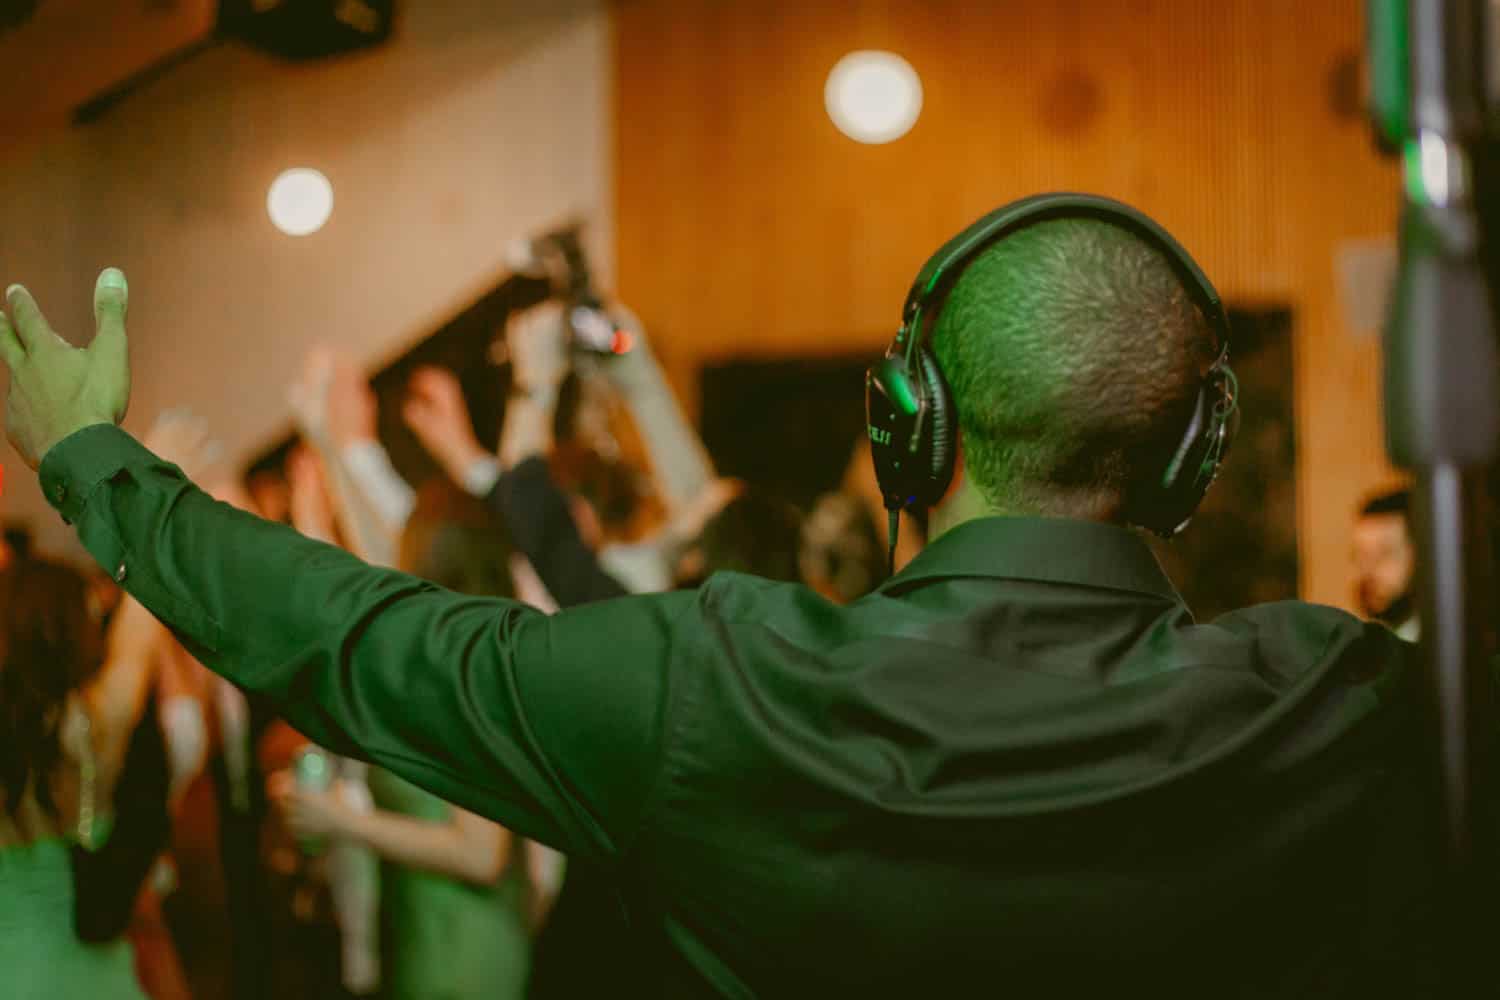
1074	352
50	644
1385	558
452	540
615	490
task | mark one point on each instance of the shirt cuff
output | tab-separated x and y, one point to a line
481	476
73	468
370	466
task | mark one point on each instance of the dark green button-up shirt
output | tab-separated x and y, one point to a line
1019	764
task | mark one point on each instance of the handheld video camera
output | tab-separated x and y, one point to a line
559	258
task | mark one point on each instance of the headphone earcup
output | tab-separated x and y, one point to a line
942	430
1196	463
891	409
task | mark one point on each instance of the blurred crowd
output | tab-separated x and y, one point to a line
209	850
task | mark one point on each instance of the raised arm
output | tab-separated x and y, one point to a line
336	412
117	695
680	462
308	502
534	510
539	363
551	726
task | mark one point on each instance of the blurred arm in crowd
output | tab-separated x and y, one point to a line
336	413
466	846
679	461
117	697
352	872
519	485
130	753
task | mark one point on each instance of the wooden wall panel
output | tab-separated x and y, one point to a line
747	225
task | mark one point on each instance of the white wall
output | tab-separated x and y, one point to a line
482	121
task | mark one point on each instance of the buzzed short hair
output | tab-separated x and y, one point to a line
1074	352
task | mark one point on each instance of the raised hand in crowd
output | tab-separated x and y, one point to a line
333	403
350	407
438	415
337	413
56	388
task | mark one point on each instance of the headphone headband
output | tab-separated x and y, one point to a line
945	266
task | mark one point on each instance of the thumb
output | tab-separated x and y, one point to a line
111	297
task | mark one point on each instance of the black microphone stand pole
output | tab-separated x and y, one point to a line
1442	413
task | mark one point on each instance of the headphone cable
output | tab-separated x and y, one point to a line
893	527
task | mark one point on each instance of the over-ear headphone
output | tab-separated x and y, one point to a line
909	411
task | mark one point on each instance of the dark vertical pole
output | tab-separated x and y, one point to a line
1442	410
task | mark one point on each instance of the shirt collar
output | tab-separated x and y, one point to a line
1048	550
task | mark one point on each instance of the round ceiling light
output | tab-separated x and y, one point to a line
873	96
300	201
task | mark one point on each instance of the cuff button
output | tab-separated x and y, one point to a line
60	492
120	574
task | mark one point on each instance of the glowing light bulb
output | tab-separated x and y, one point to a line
300	201
872	96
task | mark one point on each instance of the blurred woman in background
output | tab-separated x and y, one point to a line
455	896
73	744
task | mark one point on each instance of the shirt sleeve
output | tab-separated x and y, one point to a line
369	465
549	725
536	514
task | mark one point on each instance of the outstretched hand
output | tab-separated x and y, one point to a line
56	388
